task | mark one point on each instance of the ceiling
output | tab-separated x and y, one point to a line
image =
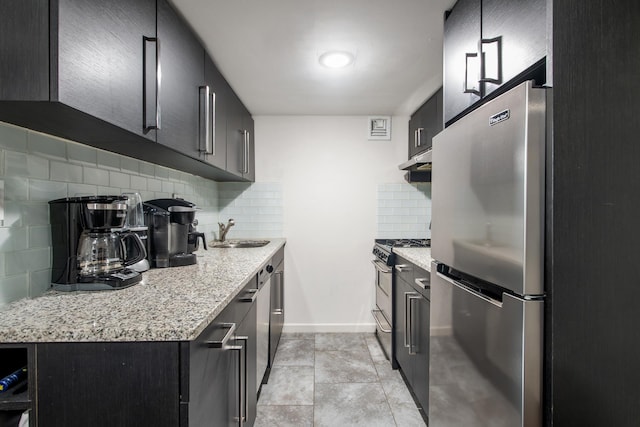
268	51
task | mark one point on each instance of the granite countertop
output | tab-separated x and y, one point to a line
418	256
170	304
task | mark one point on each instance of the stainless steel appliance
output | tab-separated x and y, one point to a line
172	235
262	333
384	262
90	249
487	274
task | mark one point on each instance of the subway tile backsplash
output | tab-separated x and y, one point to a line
255	207
37	168
404	210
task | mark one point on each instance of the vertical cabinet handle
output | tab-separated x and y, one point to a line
151	83
415	138
212	124
413	297
204	145
419	136
474	89
407	320
247	139
491	60
243	394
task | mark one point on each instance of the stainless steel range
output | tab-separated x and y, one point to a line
384	262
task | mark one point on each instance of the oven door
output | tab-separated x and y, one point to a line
382	312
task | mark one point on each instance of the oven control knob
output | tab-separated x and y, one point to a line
269	269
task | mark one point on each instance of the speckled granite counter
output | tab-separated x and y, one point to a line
170	304
419	256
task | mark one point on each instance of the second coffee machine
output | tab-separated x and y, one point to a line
172	234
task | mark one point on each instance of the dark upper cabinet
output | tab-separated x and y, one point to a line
487	45
425	123
90	72
182	65
95	62
240	140
215	149
461	63
249	172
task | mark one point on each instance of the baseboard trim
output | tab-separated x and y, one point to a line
329	327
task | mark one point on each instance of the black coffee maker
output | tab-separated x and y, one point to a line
172	234
91	251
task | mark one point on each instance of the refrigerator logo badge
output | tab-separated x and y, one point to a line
500	117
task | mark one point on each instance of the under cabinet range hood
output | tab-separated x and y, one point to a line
419	162
418	167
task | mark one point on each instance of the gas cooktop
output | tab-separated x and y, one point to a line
404	243
382	248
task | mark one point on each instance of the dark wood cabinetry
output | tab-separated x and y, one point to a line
411	328
182	62
488	43
107	384
88	71
208	381
240	140
425	123
98	67
20	396
216	153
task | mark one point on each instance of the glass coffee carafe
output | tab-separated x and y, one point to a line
104	253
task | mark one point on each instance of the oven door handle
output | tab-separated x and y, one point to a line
380	266
375	317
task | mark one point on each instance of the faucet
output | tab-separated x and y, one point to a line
223	230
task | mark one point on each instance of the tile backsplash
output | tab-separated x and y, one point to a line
37	168
404	210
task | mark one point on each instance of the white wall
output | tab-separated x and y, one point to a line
329	174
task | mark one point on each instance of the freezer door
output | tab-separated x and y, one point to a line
488	192
486	363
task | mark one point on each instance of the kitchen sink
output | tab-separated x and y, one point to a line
239	244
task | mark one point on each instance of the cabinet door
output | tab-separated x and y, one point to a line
100	59
414	124
519	26
400	325
247	329
461	64
250	147
420	307
213	387
107	384
219	88
235	136
182	63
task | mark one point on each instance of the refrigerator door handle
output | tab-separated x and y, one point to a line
471	291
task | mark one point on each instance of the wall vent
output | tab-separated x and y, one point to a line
379	128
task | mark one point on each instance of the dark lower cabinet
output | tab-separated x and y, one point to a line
276	320
108	384
210	381
411	332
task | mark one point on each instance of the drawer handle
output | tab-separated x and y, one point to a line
223	342
252	298
424	283
403	267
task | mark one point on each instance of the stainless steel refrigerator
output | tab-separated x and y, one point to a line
487	287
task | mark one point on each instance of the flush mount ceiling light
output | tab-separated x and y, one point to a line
336	59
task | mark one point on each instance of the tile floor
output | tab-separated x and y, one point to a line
334	380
